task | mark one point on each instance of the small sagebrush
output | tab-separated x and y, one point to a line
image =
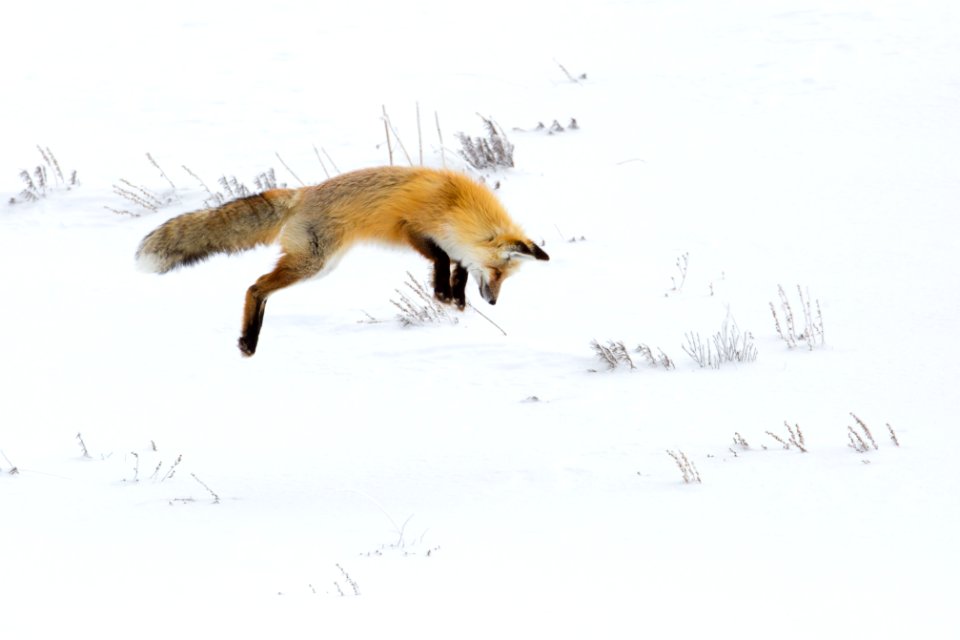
613	354
44	179
418	307
83	446
141	199
492	152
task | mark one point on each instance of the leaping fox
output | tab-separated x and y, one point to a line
445	216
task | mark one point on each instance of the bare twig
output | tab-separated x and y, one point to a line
893	435
13	469
866	430
287	167
216	498
390	130
173	468
570	76
786	445
197	178
856	442
683	263
322	165
332	163
485	317
162	173
136	466
419	135
83	446
386	132
443	158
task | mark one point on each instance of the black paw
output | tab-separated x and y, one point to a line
246	348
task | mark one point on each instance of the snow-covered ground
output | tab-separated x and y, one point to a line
448	481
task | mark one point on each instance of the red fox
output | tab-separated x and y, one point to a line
445	216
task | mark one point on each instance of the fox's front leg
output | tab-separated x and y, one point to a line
447	287
441	276
458	286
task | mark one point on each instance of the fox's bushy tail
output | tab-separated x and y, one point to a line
230	228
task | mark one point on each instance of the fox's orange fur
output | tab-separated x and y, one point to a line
447	217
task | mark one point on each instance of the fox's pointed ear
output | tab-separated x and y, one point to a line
539	253
527	249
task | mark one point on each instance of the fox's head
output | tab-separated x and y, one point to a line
504	256
479	234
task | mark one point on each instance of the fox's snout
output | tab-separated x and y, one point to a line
487	293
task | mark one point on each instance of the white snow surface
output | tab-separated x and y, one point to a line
449	481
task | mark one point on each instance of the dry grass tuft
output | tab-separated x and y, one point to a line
857	442
687	468
727	345
794	437
812	332
615	353
683	265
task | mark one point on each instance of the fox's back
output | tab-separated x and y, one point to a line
385	203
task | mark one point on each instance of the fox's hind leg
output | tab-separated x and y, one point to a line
289	270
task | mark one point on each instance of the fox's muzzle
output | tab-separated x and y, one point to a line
487	293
